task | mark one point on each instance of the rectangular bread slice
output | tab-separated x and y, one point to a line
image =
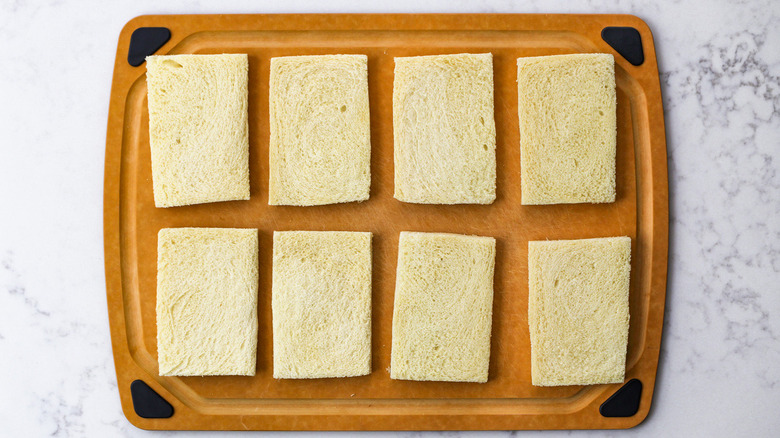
321	301
568	128
198	128
207	284
443	310
444	132
320	149
578	310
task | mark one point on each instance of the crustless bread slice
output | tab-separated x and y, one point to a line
320	148
207	301
198	128
444	132
442	316
321	301
566	105
578	310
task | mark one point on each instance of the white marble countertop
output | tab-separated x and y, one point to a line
719	373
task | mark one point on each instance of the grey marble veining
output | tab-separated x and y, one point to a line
720	70
14	287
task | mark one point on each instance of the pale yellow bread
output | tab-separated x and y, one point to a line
320	147
578	310
198	128
207	284
444	132
568	128
442	316
321	302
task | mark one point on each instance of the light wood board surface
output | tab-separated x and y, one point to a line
507	400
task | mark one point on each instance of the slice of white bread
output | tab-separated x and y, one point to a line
321	302
198	128
578	310
444	132
443	310
320	149
207	284
568	128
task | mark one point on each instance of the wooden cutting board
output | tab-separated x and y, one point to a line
507	400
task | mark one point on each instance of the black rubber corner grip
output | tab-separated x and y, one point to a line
144	42
626	41
147	403
624	402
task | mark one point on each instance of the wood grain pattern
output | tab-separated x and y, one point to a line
508	400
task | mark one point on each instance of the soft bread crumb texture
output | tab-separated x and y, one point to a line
198	128
578	310
320	149
207	281
442	316
321	302
568	128
444	131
